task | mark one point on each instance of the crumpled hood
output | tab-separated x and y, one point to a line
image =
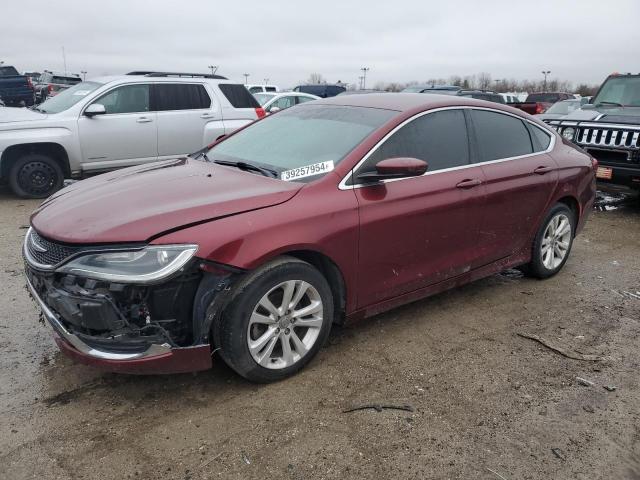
630	115
12	114
137	203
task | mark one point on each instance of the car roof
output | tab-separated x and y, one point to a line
402	102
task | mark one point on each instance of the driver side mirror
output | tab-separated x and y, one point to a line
95	109
274	109
400	167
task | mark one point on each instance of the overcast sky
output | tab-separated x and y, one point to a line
285	41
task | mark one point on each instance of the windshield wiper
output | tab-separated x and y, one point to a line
267	172
38	109
615	104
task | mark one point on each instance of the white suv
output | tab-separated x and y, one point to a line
114	122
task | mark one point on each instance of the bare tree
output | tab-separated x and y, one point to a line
315	79
484	81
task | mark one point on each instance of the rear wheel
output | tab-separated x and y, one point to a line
278	320
553	242
35	175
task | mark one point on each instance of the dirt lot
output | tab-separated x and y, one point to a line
488	404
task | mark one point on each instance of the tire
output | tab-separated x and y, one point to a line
553	231
246	320
35	175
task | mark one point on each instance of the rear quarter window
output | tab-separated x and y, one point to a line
500	136
238	95
541	139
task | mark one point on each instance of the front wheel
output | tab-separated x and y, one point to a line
553	242
35	176
277	321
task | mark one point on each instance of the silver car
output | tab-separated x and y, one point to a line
112	122
274	102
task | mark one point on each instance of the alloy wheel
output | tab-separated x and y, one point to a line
556	241
285	324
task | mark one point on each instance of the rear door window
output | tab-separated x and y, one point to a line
438	138
180	96
500	136
238	95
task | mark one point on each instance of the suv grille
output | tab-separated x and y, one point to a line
609	137
46	252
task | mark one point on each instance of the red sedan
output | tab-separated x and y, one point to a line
330	211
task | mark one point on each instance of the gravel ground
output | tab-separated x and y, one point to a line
487	403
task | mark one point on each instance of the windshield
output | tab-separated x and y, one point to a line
8	71
263	98
65	80
413	89
620	90
565	107
68	98
307	140
542	97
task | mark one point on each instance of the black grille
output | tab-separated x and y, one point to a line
53	254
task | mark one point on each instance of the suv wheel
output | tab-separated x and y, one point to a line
277	321
553	242
35	175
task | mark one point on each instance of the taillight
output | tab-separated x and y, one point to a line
50	88
260	112
540	108
30	83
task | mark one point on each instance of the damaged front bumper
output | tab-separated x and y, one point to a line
143	358
142	328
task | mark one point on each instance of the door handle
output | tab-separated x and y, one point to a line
144	120
469	183
207	115
542	170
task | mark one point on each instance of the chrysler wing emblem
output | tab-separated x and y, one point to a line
35	245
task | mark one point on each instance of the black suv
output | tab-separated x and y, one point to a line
608	127
322	90
482	95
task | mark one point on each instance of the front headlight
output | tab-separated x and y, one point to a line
568	133
148	265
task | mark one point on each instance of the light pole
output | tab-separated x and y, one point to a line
360	82
545	73
266	80
214	69
364	76
84	75
246	77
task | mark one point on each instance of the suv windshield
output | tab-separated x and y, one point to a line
65	80
302	138
623	90
68	98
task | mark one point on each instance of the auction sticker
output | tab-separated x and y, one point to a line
307	171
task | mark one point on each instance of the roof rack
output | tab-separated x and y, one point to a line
150	73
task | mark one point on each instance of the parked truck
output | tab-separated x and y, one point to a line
609	129
15	89
537	103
